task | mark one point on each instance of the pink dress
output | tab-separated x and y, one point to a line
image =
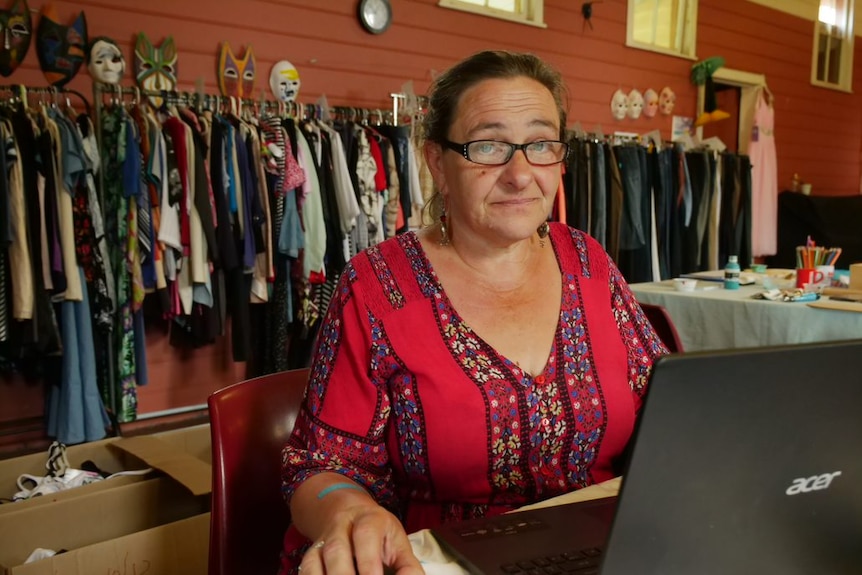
764	180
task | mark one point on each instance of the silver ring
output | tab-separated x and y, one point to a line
319	545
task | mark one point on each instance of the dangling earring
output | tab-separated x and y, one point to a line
543	230
444	231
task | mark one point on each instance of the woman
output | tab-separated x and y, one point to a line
488	361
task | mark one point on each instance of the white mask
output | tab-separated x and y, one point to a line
636	104
650	103
106	64
284	81
666	101
619	105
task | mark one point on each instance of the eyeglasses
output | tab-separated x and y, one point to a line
496	153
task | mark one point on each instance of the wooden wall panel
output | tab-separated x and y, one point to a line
817	130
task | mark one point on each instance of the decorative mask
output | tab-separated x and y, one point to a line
155	67
650	103
636	104
235	76
105	61
619	105
61	49
284	81
666	100
17	27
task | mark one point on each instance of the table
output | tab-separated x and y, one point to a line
712	318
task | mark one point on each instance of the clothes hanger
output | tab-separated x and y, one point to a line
770	98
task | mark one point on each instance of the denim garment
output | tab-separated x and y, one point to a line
631	225
599	215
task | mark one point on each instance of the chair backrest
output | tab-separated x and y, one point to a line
663	325
250	422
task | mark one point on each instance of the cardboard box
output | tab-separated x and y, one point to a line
112	455
110	521
179	548
856	276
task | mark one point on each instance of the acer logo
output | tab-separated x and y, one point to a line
813	483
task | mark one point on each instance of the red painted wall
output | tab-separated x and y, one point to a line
817	130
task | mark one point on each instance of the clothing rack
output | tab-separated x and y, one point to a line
22	92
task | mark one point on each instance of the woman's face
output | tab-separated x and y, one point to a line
499	204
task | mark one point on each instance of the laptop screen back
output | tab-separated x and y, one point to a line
746	461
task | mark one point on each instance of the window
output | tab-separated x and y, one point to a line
832	60
666	26
523	11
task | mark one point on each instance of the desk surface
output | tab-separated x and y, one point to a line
725	319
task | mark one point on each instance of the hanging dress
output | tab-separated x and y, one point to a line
764	180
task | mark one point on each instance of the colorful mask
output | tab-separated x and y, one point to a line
236	76
61	49
636	104
666	101
156	67
105	61
619	105
284	81
17	27
650	103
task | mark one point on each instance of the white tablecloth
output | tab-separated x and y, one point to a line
436	562
723	319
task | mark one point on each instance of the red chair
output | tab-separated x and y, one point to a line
250	422
663	326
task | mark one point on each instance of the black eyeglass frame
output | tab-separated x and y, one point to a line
463	150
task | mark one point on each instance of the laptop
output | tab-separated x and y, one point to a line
744	461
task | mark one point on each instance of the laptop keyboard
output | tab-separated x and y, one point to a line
581	562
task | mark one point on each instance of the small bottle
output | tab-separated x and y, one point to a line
731	273
795	183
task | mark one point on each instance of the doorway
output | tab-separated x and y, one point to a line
738	91
728	98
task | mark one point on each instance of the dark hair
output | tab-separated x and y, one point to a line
447	89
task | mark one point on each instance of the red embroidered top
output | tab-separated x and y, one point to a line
406	400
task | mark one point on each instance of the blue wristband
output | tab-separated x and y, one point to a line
335	487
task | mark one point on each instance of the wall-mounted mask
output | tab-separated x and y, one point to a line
650	103
17	27
235	75
105	61
155	67
636	104
666	101
61	49
619	105
284	81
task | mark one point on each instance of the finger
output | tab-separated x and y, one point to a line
398	555
312	561
337	555
368	543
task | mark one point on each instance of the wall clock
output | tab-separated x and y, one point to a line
375	15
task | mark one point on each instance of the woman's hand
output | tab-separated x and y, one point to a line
363	539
